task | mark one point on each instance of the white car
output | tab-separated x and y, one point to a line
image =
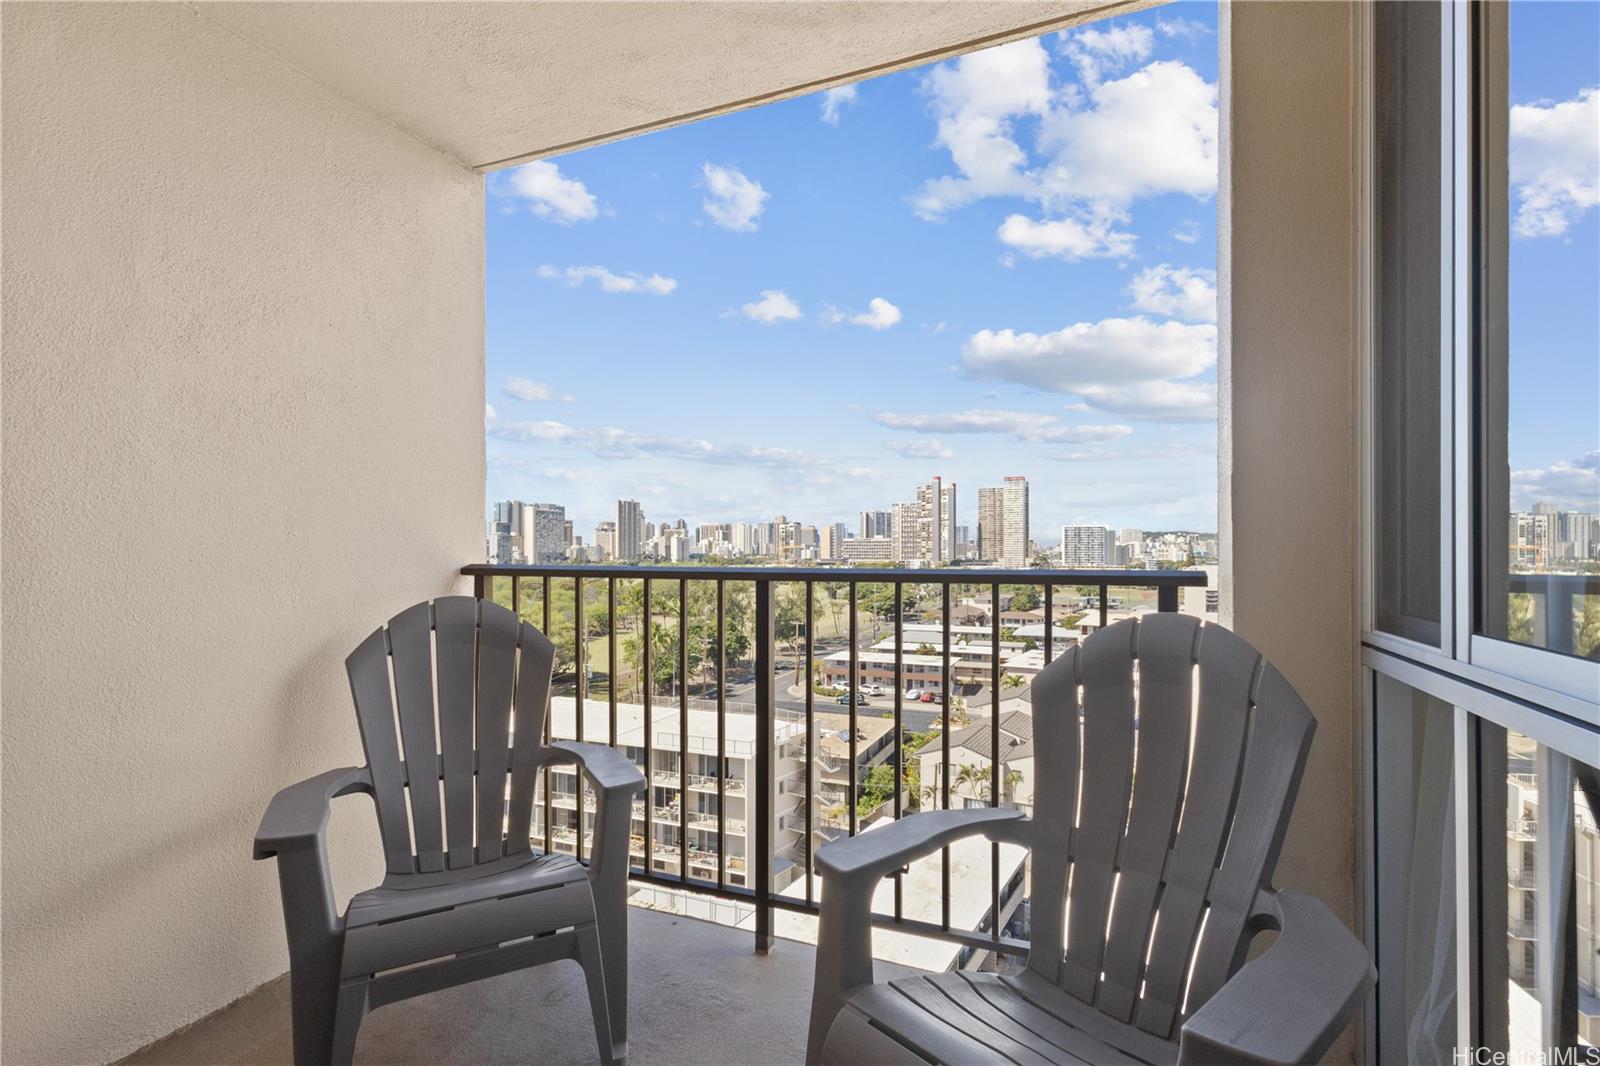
913	694
872	690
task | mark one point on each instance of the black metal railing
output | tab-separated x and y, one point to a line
784	726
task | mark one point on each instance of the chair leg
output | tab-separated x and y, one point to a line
589	957
347	1020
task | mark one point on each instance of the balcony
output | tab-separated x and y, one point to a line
244	385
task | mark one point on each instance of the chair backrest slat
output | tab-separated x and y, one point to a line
1275	757
368	669
1165	644
533	676
1055	746
497	658
1189	748
455	637
466	674
1108	704
411	649
1227	671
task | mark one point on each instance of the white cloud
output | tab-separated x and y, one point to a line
976	100
1113	351
1571	484
734	201
1187	231
880	314
610	281
1176	292
835	100
612	443
831	315
550	194
1555	163
1188	29
1095	51
1150	133
1066	238
1099	144
774	306
1023	425
529	390
1156	401
920	449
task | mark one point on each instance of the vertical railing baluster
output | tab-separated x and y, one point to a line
764	784
944	756
611	660
1049	624
855	691
648	681
722	758
1105	606
1167	598
549	808
995	679
579	693
810	767
899	735
683	729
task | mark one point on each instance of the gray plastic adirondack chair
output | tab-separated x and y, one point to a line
473	899
1109	981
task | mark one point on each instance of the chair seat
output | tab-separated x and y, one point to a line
961	1018
414	918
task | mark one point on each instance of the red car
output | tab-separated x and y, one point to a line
930	697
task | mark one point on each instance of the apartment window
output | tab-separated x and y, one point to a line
1537	333
1407	286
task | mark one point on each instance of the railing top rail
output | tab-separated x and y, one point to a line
858	574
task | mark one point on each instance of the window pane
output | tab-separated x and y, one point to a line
1406	320
1539	335
1416	868
1551	847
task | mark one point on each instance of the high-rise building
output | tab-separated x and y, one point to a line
605	539
566	532
930	532
947	524
544	529
743	539
903	528
1087	547
868	550
1014	522
831	546
630	530
874	524
991	524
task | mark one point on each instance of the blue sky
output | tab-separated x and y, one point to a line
997	265
1555	254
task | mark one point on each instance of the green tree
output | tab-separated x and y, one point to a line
1025	598
1588	644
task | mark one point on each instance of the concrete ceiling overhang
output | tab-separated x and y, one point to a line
492	84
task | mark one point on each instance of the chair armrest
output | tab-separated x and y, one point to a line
297	817
851	869
607	769
871	856
1288	1005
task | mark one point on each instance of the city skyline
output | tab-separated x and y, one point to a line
800	308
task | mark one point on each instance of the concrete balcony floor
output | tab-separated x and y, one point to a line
700	996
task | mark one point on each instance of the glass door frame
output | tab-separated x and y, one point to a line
1545	695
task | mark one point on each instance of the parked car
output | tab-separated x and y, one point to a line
914	695
872	690
843	697
931	697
